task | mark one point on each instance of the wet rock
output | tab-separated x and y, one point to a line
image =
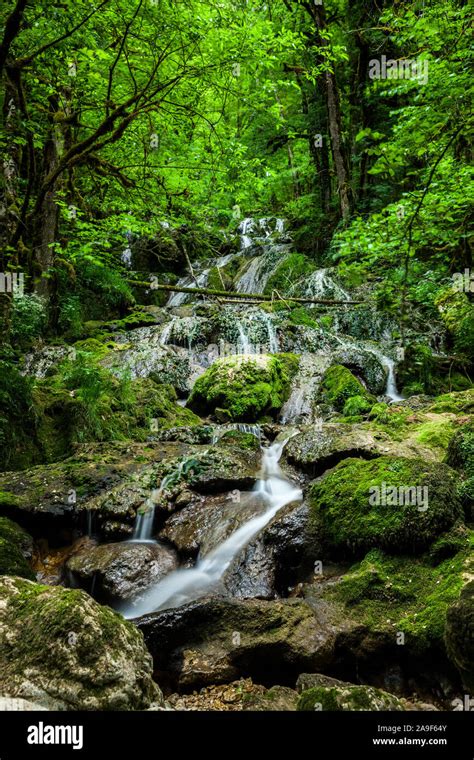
217	640
318	449
106	480
62	650
113	572
200	526
277	560
222	468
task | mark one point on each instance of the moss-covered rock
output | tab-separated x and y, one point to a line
241	388
346	696
339	385
16	547
364	504
460	455
63	650
457	314
459	633
388	595
461	402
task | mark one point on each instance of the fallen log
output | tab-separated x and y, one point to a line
255	297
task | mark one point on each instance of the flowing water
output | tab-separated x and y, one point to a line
273	491
145	519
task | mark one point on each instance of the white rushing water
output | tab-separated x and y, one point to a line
272	490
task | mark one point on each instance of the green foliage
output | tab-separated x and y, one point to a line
289	274
28	319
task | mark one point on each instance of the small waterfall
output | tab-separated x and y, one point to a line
391	390
244	343
241	427
244	228
272	334
185	585
300	405
143	529
166	333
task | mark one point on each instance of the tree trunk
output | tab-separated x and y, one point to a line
339	153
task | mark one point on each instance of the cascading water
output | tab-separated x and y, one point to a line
145	519
273	491
241	427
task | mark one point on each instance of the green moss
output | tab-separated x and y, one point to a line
350	519
12	561
339	385
17	420
435	434
347	697
241	440
302	316
460	455
457	402
404	594
390	418
356	405
457	314
244	389
293	269
14	544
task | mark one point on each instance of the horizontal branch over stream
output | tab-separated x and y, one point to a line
242	296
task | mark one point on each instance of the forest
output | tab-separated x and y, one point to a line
236	356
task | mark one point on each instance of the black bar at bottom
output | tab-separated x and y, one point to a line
151	734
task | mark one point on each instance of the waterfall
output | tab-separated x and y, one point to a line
143	529
319	284
185	585
391	390
272	335
166	332
300	405
241	427
244	343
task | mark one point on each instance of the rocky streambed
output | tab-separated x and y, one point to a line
265	459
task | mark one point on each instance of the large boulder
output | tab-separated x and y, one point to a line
217	640
61	649
244	388
412	617
120	571
392	503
